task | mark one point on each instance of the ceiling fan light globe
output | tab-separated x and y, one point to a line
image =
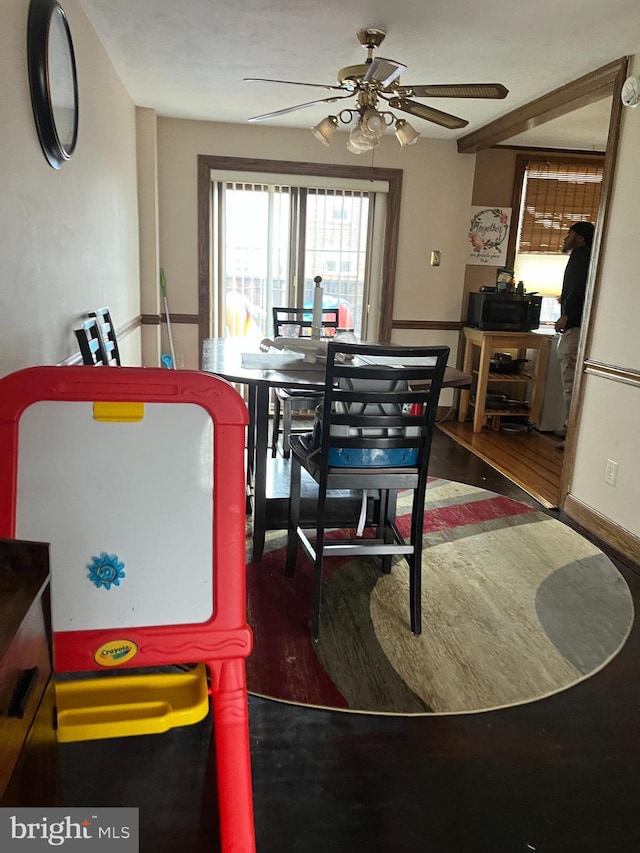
353	149
361	147
324	130
362	140
405	133
372	124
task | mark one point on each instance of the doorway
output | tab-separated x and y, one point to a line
532	128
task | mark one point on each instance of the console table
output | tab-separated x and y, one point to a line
484	344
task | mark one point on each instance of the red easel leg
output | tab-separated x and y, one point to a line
233	759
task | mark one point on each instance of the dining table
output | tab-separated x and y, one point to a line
241	361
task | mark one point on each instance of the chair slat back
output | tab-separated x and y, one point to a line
303	317
389	404
90	343
108	335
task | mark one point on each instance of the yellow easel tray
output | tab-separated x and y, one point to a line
123	705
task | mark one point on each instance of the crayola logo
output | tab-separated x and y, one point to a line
115	652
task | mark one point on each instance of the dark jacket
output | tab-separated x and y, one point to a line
574	285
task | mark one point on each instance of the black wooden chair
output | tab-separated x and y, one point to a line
289	400
375	433
91	344
108	335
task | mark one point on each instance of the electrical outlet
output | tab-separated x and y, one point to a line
179	360
611	472
435	258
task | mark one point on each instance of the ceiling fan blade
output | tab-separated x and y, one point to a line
299	107
428	113
455	90
290	83
383	71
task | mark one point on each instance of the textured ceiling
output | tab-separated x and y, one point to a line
187	59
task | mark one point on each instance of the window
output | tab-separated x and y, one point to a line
549	310
551	192
555	195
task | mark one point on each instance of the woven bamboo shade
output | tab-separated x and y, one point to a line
555	196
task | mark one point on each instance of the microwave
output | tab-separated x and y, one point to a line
504	312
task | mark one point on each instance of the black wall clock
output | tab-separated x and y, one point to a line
52	79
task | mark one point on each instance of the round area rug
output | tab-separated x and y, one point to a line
516	606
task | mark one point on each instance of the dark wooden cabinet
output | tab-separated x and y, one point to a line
28	752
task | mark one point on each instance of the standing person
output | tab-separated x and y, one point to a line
578	242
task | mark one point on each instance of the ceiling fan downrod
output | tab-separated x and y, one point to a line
370	38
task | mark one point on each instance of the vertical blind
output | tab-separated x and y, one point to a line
555	196
260	236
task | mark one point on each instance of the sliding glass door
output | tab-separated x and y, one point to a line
270	240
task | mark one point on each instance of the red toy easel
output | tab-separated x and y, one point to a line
223	640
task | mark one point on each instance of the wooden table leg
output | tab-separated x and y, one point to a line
483	382
541	367
251	446
260	470
465	393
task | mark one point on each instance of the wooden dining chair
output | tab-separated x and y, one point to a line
374	435
289	400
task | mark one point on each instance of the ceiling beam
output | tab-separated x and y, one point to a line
586	90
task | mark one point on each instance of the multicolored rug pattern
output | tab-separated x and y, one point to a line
516	607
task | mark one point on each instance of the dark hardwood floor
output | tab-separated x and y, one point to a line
558	775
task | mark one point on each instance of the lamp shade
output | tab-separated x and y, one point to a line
325	129
405	133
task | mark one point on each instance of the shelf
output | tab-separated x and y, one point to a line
508	377
116	705
516	412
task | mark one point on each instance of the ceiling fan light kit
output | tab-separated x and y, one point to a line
376	80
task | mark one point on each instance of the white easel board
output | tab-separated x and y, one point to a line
140	491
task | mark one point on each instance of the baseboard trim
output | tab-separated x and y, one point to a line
617	537
71	360
158	319
434	325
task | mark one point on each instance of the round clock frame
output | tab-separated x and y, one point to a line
53	80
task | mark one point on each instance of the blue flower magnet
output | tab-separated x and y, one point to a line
106	570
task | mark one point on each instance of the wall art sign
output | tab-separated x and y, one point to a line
488	235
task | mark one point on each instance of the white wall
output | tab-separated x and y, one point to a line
436	195
69	236
610	419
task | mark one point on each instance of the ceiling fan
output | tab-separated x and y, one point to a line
375	81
